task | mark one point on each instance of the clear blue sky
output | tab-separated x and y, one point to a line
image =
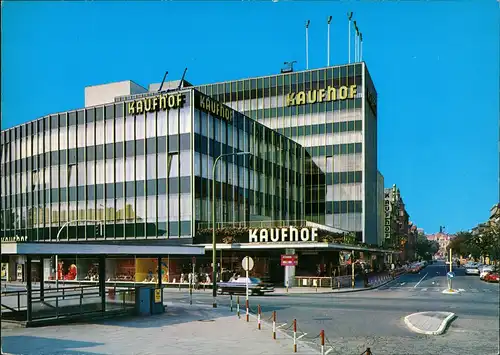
435	65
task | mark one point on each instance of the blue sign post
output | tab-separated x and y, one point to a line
450	275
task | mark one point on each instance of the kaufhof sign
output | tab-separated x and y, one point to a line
14	238
387	215
331	93
289	234
156	103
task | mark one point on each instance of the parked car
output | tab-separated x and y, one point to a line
238	286
492	277
485	270
472	269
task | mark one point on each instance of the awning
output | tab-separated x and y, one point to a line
101	248
288	245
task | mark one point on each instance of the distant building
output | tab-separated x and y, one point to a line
443	240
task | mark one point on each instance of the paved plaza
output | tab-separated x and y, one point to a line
182	330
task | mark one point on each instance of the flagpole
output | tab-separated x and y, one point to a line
355	42
349	16
307	44
361	46
328	45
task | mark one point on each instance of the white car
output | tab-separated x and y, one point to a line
472	269
485	270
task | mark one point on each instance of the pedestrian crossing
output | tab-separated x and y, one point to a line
435	289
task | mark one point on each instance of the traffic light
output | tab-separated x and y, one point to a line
97	230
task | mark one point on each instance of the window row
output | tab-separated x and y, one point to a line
336	127
334	207
108	231
91	192
109	171
227	192
304	109
128	148
138	148
110	116
334	76
130	210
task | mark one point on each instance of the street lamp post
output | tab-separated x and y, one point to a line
214	251
57	239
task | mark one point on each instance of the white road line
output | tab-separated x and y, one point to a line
424	289
420	280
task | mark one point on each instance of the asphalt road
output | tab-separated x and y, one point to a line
355	321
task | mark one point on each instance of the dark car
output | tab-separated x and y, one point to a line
238	286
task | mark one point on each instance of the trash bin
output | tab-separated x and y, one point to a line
143	301
157	301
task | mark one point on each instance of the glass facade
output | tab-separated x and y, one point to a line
116	172
336	132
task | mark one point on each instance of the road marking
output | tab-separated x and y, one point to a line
424	289
403	283
461	290
474	290
420	280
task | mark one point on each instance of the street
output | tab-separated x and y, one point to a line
354	321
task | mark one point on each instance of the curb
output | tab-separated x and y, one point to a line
444	323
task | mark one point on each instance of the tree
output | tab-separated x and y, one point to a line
486	239
464	246
425	248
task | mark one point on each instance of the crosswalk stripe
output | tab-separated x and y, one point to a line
424	289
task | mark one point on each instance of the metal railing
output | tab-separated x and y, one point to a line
67	301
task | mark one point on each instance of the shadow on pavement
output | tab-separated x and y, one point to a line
31	345
178	314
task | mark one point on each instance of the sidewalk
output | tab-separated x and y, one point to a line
374	282
182	330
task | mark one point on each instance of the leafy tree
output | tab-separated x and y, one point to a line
463	245
425	248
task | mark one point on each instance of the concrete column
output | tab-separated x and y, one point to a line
40	275
102	282
159	277
29	302
289	271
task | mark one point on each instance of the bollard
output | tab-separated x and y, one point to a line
295	335
238	305
322	336
274	325
368	351
259	312
231	298
248	314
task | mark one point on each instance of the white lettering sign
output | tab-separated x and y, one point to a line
275	235
387	215
15	238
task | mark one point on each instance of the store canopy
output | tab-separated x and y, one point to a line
101	248
291	245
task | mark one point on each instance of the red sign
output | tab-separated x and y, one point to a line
289	260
